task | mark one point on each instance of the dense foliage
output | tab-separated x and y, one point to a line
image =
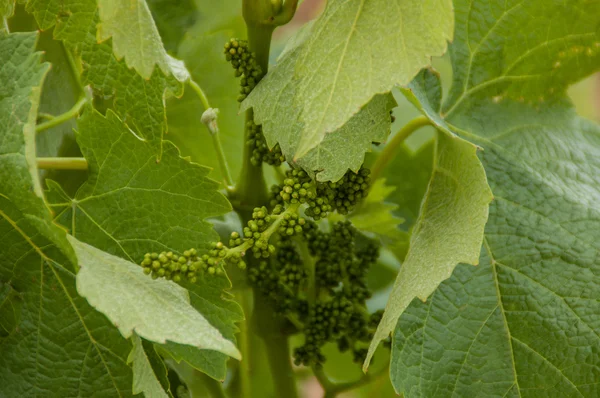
189	209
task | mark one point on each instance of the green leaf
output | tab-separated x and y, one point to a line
134	35
338	151
132	204
409	173
157	310
148	207
562	46
449	229
22	76
10	309
328	77
139	102
524	322
144	379
71	19
158	366
376	215
7	8
60	346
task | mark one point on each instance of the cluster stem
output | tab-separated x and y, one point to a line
209	118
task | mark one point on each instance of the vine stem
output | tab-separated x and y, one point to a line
209	118
56	120
62	163
251	191
389	151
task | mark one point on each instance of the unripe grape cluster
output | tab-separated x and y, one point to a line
323	197
260	150
245	66
343	258
175	267
244	63
345	194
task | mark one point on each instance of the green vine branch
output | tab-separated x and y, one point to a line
332	389
389	151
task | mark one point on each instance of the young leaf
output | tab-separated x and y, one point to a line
134	35
376	215
7	8
409	173
157	310
210	299
449	229
526	320
355	50
144	379
60	346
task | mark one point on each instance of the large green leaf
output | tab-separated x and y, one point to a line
133	204
356	49
155	310
60	345
525	321
449	229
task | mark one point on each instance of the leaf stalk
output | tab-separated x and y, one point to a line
389	151
68	115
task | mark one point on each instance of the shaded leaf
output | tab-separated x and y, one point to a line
449	229
525	322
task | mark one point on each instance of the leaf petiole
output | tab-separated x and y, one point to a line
332	389
59	119
391	147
